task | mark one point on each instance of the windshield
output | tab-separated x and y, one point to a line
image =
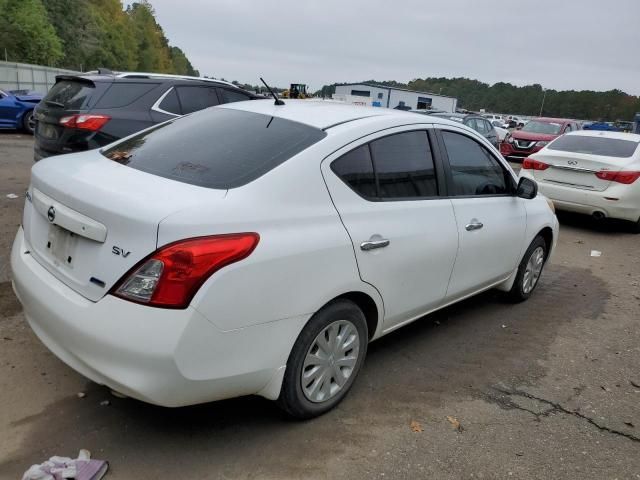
215	148
547	128
609	147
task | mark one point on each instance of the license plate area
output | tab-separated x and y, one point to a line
61	246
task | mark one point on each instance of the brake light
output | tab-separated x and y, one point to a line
171	276
533	164
626	178
85	122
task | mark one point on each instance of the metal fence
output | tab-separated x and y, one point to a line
23	76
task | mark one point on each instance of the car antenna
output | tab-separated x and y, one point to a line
275	97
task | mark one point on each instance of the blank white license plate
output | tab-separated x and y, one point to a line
61	244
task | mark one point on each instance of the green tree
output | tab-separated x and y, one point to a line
152	45
26	33
180	63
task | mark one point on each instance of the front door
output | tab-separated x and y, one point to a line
404	235
491	220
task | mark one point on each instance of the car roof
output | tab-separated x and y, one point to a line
321	114
102	76
634	137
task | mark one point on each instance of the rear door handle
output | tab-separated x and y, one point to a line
474	225
373	244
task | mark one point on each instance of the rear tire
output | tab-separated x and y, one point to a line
28	122
325	360
529	270
635	227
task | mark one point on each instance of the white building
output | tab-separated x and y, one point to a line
391	97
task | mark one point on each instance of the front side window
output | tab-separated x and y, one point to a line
398	166
474	171
193	99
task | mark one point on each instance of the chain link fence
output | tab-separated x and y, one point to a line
23	76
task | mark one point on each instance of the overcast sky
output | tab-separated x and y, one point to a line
577	44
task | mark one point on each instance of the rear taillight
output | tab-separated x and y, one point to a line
171	276
533	164
85	122
626	178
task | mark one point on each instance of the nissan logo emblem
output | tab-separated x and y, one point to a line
51	214
572	162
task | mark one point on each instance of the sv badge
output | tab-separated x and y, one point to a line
120	251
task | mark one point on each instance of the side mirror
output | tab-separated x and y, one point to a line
527	188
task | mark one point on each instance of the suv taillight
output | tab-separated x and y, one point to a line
533	164
626	178
171	276
85	122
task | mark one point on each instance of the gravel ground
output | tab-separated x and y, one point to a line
545	389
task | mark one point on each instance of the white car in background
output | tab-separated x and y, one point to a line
591	172
255	248
502	132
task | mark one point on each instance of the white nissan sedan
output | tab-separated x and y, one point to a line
255	248
591	172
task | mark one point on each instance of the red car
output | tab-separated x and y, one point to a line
519	144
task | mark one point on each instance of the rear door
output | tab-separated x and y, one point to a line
404	234
491	220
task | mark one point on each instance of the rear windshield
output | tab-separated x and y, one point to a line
548	128
609	147
215	148
70	94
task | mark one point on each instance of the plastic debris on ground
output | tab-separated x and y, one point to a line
60	468
12	196
596	253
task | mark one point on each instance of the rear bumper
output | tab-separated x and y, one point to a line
165	357
626	207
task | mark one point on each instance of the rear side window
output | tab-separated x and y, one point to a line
395	167
193	99
170	102
610	147
123	94
71	94
356	170
229	96
404	166
218	148
474	171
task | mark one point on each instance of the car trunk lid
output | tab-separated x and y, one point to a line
577	170
88	220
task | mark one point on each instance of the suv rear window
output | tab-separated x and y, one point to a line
72	94
610	147
215	148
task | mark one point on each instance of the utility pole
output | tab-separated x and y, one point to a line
543	97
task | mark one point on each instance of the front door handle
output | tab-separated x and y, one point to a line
474	225
373	244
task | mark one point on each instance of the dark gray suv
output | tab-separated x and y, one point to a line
82	112
477	122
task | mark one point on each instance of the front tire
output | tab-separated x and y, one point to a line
529	270
325	360
28	122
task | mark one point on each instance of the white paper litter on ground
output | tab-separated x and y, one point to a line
596	253
12	195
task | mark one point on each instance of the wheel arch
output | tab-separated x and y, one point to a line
368	307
